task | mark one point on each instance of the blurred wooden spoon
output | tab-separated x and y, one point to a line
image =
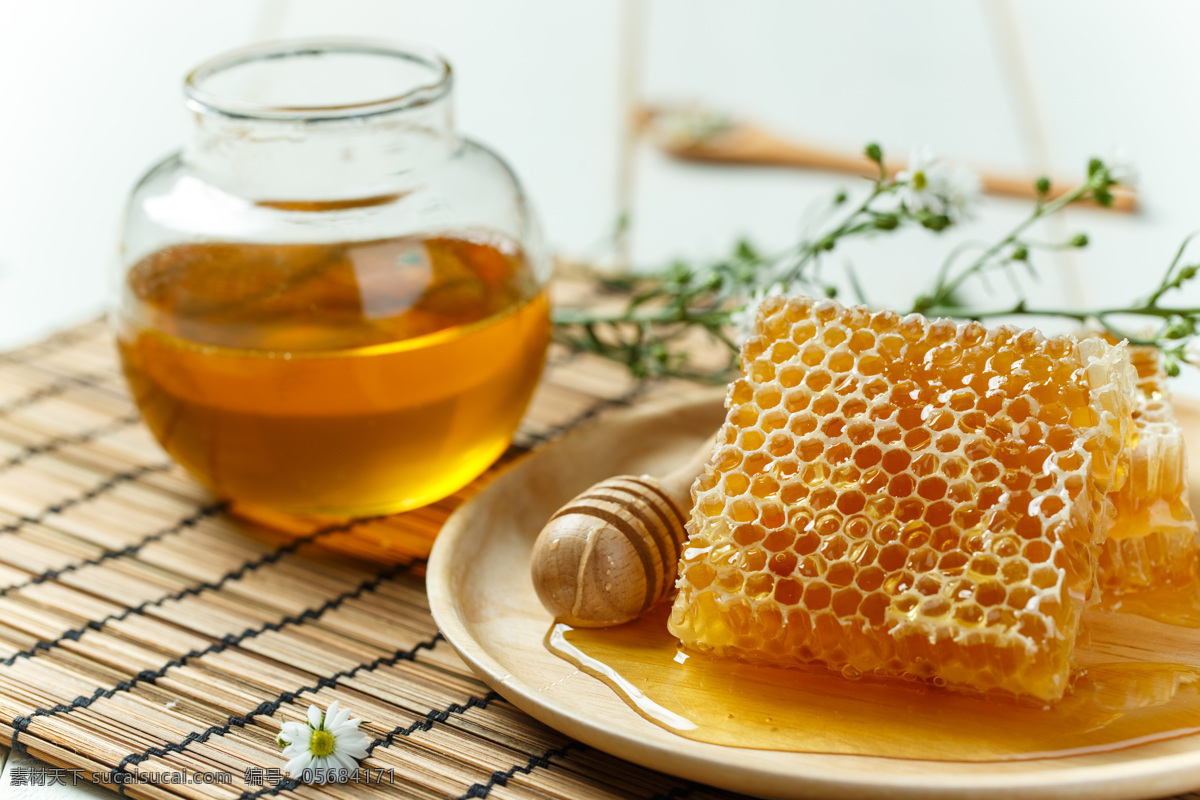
698	135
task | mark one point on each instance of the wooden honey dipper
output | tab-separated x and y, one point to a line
611	552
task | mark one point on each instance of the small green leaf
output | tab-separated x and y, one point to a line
746	251
934	222
1178	330
855	285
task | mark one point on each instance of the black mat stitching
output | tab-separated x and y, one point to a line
110	483
269	558
68	440
433	717
21	723
268	708
187	522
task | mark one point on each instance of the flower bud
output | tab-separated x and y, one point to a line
1079	240
874	152
887	222
1178	330
934	222
1042	185
1019	253
1094	166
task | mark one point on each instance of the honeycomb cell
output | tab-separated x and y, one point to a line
783	351
763	486
824	405
833	427
762	371
783	564
942	505
818	380
768	397
841	361
839	453
860	433
779	445
932	488
812	355
735	483
746	535
793	492
841	573
751	439
834	337
745	415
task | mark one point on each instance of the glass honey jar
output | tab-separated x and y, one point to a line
329	303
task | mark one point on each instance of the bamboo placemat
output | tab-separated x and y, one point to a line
146	630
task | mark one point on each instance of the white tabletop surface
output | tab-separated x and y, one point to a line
90	96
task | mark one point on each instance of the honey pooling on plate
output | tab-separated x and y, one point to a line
352	378
901	497
1153	544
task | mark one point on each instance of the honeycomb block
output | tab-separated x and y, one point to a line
1153	544
894	496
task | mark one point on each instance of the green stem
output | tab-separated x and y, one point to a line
639	316
1023	310
809	250
946	288
1167	284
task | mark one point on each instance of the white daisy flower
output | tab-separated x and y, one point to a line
684	127
326	748
742	320
921	182
1121	169
1191	351
930	184
963	189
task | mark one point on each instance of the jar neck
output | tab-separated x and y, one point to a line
319	158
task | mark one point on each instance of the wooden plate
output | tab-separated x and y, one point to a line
484	602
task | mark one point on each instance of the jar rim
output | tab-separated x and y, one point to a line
438	86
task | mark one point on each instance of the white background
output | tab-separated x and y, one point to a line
90	96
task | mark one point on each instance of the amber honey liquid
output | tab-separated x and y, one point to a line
1113	704
344	379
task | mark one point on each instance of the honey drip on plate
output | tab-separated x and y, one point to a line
1173	605
339	379
1113	704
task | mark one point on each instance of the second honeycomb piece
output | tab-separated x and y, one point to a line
1154	543
895	496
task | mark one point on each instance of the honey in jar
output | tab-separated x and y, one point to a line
330	303
351	378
